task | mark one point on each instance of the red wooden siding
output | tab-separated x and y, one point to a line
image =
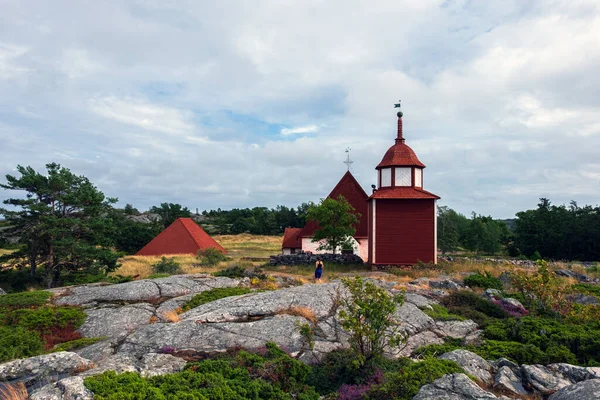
404	231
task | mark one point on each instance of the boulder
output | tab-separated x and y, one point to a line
418	300
455	329
572	274
471	363
575	373
491	294
413	319
66	389
154	364
47	367
589	389
543	379
113	321
585	299
444	284
2	292
507	381
453	387
143	290
419	340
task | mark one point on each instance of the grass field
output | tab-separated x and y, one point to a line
237	246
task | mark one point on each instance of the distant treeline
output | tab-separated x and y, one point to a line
549	231
257	220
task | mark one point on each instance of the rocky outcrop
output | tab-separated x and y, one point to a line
543	379
45	368
471	363
453	387
66	389
508	382
584	390
144	290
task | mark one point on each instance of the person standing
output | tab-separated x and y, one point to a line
318	270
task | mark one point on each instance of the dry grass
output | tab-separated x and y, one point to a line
237	246
15	391
171	316
303	312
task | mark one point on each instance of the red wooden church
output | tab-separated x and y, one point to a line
398	221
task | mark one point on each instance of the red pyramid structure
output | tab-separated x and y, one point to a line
183	236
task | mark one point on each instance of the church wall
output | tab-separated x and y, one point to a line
404	231
286	251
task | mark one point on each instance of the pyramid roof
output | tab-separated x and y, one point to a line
354	194
183	236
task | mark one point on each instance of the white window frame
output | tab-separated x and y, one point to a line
386	177
403	176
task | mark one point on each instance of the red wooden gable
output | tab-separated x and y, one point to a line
354	194
291	240
183	236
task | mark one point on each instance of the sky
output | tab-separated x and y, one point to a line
224	104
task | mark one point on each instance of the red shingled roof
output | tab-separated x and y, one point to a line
403	193
354	194
291	238
183	236
400	155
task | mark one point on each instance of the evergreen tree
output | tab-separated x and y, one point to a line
61	223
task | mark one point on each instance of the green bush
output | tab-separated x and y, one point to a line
76	344
586	288
338	367
441	313
18	342
211	256
469	305
554	338
483	280
273	376
404	384
435	350
166	266
212	295
43	319
234	271
25	299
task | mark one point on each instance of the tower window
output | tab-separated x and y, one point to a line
403	177
386	177
418	177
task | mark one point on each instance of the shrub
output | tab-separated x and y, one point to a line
212	295
234	271
43	319
542	291
441	313
166	266
245	376
211	256
483	280
25	299
405	383
368	316
18	342
434	350
337	368
552	337
469	305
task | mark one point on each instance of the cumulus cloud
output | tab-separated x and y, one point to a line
299	130
220	106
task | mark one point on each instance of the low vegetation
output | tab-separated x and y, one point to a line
212	295
30	326
166	266
483	279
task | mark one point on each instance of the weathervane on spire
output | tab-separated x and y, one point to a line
398	105
348	162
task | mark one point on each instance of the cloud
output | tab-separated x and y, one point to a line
299	130
214	106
